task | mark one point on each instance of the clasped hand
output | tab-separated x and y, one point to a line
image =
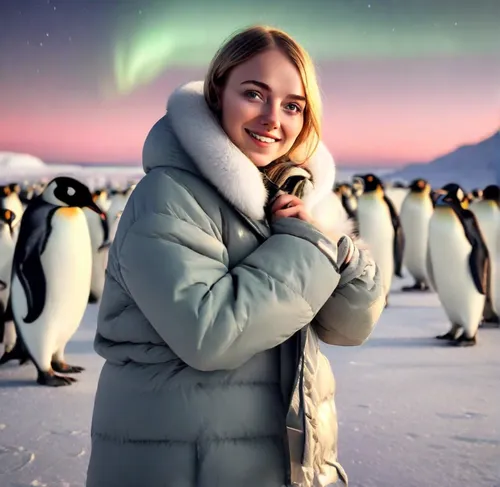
288	205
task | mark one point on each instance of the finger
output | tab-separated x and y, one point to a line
294	212
287	212
285	200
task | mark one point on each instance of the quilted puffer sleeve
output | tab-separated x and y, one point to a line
350	314
214	318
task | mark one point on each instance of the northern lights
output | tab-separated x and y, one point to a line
84	80
176	36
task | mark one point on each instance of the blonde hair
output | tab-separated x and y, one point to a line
254	40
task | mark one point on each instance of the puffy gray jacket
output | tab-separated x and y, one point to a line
210	320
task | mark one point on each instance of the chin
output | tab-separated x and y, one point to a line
260	160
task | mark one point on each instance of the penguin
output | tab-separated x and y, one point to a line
396	192
99	238
458	266
357	187
487	212
7	245
11	201
380	227
100	197
416	212
51	276
119	199
475	195
349	202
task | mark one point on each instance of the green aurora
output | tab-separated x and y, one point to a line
187	33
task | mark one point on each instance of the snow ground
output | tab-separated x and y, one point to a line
412	412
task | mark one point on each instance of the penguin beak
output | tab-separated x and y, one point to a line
105	226
93	206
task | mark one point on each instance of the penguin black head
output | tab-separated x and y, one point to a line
5	191
451	195
398	184
371	183
7	216
418	185
98	193
66	191
477	194
492	193
14	188
344	189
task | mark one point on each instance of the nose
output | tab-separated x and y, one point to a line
270	115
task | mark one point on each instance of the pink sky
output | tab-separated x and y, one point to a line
375	112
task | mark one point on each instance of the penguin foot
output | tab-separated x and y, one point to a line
64	368
52	380
493	322
447	336
464	341
17	353
418	286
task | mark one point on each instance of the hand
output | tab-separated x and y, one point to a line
288	205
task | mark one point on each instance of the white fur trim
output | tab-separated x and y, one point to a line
224	165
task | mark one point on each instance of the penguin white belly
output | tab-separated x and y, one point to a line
496	271
13	203
116	206
449	253
7	246
66	263
415	216
397	196
375	228
488	218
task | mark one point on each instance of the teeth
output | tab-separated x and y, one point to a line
261	138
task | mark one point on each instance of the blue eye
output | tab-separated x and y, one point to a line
296	108
252	94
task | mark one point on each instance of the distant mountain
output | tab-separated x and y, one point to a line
18	167
471	166
14	160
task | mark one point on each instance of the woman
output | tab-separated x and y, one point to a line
211	312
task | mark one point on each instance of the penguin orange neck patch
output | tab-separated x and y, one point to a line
68	211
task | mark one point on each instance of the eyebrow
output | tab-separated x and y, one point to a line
266	87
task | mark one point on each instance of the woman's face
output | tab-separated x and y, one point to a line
263	106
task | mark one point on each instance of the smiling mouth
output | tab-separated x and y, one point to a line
261	138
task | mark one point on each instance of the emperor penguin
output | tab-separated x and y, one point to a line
7	245
51	277
9	200
118	201
397	193
349	202
416	212
487	212
458	266
102	200
380	228
99	238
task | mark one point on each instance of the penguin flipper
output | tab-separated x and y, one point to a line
346	203
105	229
399	239
33	235
479	259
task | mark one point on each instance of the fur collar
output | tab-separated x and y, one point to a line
224	165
